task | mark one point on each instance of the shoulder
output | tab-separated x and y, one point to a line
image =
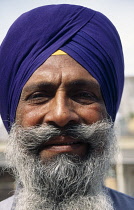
120	200
6	204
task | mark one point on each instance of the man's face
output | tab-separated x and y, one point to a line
62	143
61	92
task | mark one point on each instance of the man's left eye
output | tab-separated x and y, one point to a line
84	94
84	98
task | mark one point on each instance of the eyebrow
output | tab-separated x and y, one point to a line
75	84
82	83
39	86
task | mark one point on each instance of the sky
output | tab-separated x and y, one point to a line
120	12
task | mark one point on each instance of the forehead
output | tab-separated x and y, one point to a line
60	69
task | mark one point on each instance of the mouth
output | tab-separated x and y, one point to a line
62	141
63	144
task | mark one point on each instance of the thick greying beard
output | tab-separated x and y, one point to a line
64	182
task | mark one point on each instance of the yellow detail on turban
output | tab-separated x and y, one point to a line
59	52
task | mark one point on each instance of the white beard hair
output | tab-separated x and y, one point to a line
41	182
30	201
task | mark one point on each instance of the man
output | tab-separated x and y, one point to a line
62	76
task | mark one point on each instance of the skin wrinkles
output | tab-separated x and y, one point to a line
61	92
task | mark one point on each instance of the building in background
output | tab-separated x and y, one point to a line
6	179
121	175
125	168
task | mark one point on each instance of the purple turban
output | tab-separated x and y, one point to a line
86	35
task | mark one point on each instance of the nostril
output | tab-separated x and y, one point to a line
53	124
72	122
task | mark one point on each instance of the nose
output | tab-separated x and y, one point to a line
61	113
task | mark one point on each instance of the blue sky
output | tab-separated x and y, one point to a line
120	12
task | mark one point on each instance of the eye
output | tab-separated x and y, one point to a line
38	97
84	97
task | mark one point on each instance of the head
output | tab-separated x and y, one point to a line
63	141
61	116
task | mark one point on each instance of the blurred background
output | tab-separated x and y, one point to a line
120	12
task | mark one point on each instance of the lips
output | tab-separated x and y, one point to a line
62	144
62	141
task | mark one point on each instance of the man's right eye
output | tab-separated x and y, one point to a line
38	97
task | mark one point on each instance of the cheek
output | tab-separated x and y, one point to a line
27	116
93	113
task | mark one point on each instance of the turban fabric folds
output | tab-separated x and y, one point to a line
86	35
